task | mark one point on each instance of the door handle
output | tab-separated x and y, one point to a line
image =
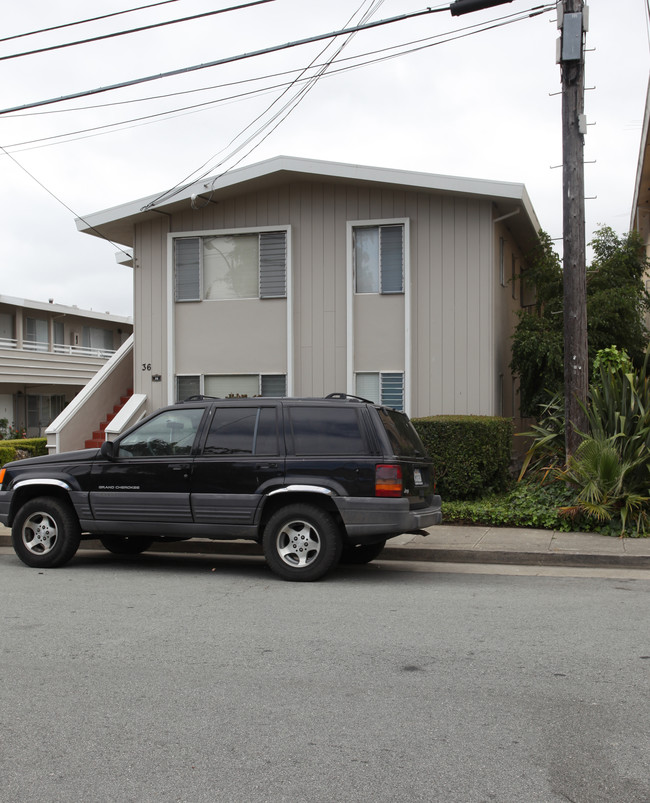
266	465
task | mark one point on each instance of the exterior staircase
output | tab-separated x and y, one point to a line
98	436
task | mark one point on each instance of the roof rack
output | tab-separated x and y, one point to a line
348	397
198	398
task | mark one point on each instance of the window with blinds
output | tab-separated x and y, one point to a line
231	266
378	255
382	387
225	385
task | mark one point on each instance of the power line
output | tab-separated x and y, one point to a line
134	30
226	60
63	203
452	36
83	22
280	115
469	30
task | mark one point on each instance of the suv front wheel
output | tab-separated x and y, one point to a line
301	542
45	533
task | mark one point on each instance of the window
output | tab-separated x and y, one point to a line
227	385
378	256
36	336
170	433
333	431
242	430
42	410
383	387
187	386
7	336
402	435
58	333
96	339
231	266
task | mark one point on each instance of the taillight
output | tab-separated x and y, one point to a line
388	480
2	476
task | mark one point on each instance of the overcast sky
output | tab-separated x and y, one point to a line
482	106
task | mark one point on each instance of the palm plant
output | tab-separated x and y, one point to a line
607	483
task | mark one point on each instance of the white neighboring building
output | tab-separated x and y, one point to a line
48	353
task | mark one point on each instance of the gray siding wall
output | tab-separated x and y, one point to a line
507	302
453	333
150	312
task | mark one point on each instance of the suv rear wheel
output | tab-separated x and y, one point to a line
301	542
45	533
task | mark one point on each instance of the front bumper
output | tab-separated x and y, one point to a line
5	506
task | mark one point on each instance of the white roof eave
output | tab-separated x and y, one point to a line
117	222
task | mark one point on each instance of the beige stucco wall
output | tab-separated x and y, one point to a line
379	332
213	337
459	320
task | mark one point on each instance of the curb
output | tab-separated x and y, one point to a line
428	554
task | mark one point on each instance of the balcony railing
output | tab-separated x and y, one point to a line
84	351
57	348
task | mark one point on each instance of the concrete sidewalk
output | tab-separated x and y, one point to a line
451	544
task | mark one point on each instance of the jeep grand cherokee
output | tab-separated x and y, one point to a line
315	481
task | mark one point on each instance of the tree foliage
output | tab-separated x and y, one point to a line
616	305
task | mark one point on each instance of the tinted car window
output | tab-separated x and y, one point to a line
326	431
242	430
170	433
403	438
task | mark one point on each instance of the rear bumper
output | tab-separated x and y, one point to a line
369	519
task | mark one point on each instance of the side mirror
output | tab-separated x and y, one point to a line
107	450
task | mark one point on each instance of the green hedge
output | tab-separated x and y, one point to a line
471	454
35	447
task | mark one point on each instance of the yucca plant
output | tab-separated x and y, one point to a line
610	471
547	449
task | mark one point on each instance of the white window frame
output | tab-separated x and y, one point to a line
406	294
288	299
380	376
203	235
380	291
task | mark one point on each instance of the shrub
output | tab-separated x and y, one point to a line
34	446
7	454
471	454
528	504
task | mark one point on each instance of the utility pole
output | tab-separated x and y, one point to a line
572	22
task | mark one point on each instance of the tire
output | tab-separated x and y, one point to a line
125	544
361	553
46	533
301	542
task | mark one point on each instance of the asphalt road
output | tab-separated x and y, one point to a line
201	678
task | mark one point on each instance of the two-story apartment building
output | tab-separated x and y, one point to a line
302	277
48	352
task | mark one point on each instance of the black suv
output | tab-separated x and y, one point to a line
314	481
